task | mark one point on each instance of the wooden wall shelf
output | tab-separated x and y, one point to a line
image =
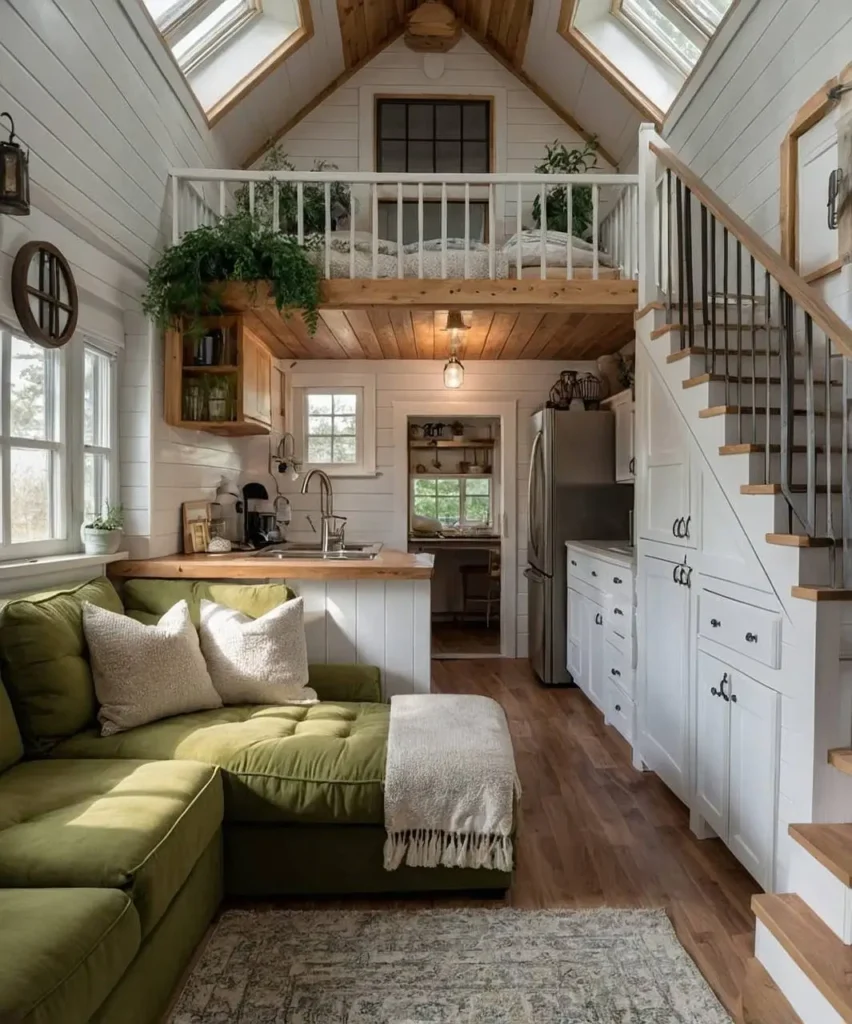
438	443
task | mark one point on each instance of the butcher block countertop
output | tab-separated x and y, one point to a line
237	565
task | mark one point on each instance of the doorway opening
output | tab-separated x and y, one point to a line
455	487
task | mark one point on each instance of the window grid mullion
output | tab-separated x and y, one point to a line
5	443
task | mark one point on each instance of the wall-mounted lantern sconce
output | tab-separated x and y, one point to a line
14	175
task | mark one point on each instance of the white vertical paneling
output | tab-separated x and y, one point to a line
399	648
370	613
312	593
341	622
422	626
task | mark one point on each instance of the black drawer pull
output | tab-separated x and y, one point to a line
599	619
617	611
573	562
615	672
618	707
751	638
715	623
594	573
617	581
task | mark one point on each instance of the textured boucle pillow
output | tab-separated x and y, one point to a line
144	673
257	661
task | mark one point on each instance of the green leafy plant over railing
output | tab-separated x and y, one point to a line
185	282
561	160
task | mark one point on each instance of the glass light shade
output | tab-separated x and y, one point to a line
453	373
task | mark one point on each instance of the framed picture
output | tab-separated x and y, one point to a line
196	526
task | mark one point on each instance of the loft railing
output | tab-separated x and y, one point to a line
490	210
779	355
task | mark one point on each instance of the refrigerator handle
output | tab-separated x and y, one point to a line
535	447
533	574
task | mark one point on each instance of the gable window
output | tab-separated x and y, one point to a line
433	136
453	501
677	29
334	425
196	29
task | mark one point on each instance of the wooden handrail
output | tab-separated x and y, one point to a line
794	285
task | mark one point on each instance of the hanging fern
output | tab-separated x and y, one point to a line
182	284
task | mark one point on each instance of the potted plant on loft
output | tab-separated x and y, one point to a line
561	160
102	534
187	280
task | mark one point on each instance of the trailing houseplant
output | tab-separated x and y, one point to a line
102	534
561	160
313	197
182	284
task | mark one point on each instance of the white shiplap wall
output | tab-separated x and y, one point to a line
368	503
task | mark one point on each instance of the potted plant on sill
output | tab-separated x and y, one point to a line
102	535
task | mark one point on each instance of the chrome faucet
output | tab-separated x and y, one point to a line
332	534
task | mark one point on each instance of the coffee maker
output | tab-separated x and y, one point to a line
260	528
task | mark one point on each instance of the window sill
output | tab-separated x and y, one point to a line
24	568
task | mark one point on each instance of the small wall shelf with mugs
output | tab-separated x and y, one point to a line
218	378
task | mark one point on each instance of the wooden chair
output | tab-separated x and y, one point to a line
491	594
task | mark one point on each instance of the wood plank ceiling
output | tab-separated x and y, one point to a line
367	25
401	333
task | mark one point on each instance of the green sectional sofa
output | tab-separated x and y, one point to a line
115	852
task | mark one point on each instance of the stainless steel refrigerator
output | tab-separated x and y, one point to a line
572	496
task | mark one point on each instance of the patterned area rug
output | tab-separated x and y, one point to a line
446	967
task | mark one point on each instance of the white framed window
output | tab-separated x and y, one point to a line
334	423
461	501
100	433
677	29
197	29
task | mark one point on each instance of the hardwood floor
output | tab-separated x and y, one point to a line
465	638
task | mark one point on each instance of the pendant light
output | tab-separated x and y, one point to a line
453	369
14	175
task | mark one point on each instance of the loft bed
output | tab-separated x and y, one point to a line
468	242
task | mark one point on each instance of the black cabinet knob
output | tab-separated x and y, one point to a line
617	611
618	707
615	672
751	638
617	580
715	623
733	698
594	573
715	692
573	562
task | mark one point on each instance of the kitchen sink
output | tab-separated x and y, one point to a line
352	552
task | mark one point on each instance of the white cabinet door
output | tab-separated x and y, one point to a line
575	626
663	455
664	682
712	743
755	740
597	638
625	419
725	551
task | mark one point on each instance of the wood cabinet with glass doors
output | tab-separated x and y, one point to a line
218	378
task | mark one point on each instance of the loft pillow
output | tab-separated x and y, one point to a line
144	673
257	661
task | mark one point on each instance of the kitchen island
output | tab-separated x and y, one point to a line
371	611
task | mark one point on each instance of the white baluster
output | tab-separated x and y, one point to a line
569	242
634	197
519	221
351	231
596	202
375	218
222	199
420	229
400	255
251	197
300	212
467	230
492	233
443	230
543	231
328	229
175	210
276	210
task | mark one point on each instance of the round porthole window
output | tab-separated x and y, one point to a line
44	294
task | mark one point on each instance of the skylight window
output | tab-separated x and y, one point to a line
197	29
677	29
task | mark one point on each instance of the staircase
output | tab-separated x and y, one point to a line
759	367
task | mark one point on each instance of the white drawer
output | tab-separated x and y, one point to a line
618	667
754	632
620	615
578	566
625	644
621	711
619	582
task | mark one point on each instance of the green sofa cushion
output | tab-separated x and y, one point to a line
122	824
44	663
62	951
323	764
147	600
11	745
353	684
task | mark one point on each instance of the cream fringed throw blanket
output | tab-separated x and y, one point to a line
450	783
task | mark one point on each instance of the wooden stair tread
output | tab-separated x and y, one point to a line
732	410
811	593
678	328
798	540
831	845
794	489
841	760
719	378
747	448
762	1001
812	945
698	350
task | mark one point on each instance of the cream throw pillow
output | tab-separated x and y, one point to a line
144	673
257	661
